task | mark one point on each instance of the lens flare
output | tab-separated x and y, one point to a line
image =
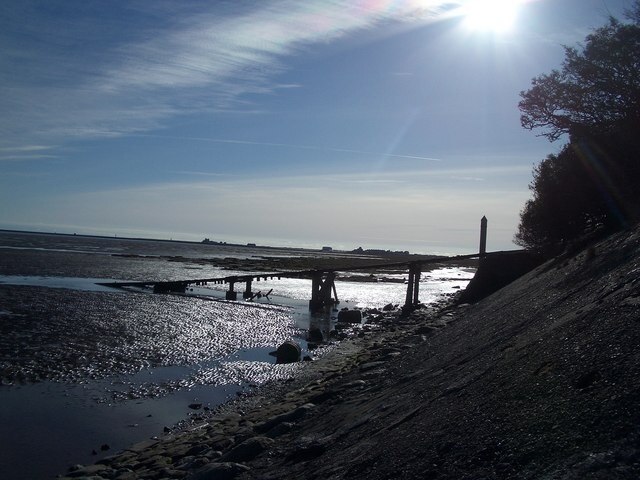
496	16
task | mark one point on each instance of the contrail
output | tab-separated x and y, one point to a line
287	145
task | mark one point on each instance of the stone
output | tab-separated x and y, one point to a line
129	475
288	352
219	471
350	316
220	442
292	416
88	471
365	367
248	450
142	446
281	429
198	449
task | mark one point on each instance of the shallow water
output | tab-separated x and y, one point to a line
84	365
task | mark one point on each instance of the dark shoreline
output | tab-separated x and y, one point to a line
538	380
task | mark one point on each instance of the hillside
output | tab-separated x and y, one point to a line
541	380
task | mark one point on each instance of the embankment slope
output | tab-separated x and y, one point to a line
539	380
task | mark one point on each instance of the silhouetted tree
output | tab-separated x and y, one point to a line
595	99
596	89
565	204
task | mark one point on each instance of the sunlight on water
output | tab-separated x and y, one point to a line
367	294
125	354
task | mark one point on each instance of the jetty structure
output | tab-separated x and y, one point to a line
323	287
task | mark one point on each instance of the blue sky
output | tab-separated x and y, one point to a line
373	123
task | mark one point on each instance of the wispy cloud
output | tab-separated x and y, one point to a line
21	153
22	158
26	148
291	145
203	174
207	60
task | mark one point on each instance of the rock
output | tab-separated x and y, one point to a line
388	307
588	379
248	450
142	446
426	330
292	416
192	463
88	471
288	352
306	452
130	475
350	316
281	429
365	367
195	406
171	473
220	442
219	471
198	449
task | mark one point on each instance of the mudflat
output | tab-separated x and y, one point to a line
539	380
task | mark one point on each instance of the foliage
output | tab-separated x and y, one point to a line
595	99
597	88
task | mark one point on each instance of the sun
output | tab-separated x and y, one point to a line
495	16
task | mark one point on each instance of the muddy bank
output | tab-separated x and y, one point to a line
539	380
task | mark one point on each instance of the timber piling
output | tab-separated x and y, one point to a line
323	288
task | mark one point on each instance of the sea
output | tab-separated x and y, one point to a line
87	370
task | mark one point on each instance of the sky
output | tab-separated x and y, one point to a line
372	123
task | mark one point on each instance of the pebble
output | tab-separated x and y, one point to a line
219	471
248	450
216	451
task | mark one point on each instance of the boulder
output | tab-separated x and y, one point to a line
350	316
248	450
287	417
288	352
219	471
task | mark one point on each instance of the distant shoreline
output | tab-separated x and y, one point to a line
357	251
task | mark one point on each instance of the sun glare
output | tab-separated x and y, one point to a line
496	16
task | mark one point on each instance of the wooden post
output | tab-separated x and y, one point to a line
413	286
416	283
247	291
316	283
325	289
483	237
231	294
409	297
321	290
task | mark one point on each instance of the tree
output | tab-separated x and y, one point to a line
595	100
565	204
597	88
